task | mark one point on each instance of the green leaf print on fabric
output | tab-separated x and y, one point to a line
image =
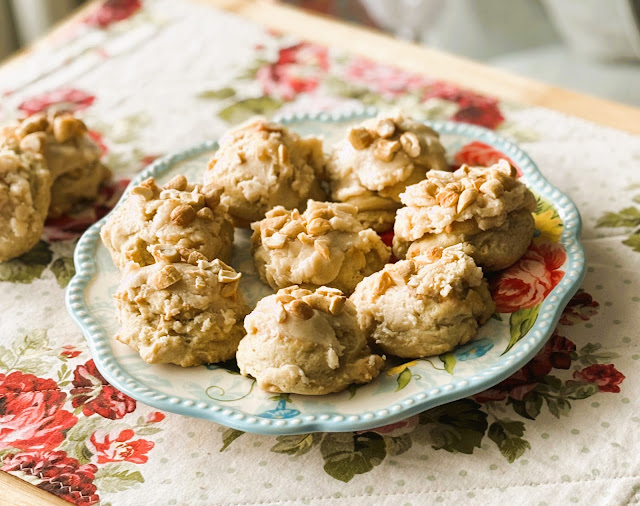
346	454
449	361
244	109
633	241
457	427
76	438
27	267
507	435
63	269
397	445
27	353
530	407
220	94
116	478
296	445
229	436
521	322
590	354
627	217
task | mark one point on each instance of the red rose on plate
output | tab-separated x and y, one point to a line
556	354
31	414
606	376
68	99
112	11
473	108
118	447
479	154
527	282
95	395
384	79
298	69
56	473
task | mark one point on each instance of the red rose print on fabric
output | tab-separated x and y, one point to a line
473	108
526	283
556	354
155	417
31	414
478	153
95	395
388	81
56	473
118	447
581	308
69	351
112	11
606	376
68	99
298	69
72	226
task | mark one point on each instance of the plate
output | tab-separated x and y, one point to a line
218	393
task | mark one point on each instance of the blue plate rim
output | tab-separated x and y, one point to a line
510	362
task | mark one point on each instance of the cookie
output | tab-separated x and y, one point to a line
25	192
488	208
260	165
62	138
306	342
180	313
377	161
325	245
80	185
424	306
188	219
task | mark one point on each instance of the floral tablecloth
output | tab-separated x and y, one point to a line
154	77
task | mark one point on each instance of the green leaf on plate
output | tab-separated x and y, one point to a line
521	322
27	267
244	109
496	316
403	379
346	454
229	436
449	361
352	389
628	217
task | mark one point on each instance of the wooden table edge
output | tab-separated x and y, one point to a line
432	63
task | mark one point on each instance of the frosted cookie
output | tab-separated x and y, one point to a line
179	313
377	161
187	217
60	136
306	342
325	245
488	208
424	306
80	185
25	191
260	165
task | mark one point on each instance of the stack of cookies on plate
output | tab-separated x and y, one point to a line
48	164
339	303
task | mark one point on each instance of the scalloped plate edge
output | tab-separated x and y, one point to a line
525	349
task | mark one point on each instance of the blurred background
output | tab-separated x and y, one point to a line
591	46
